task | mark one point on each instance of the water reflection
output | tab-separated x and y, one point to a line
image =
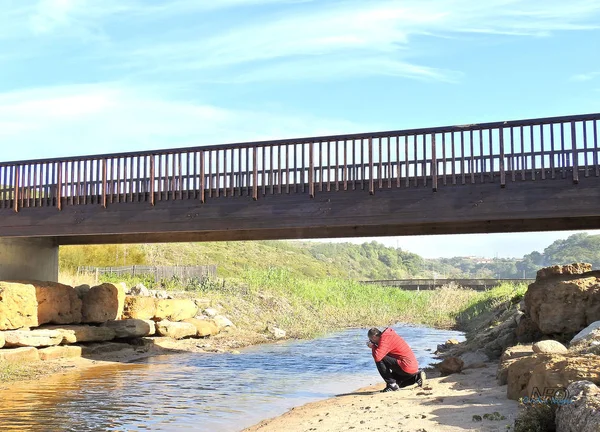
212	392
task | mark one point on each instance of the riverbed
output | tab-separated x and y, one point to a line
204	391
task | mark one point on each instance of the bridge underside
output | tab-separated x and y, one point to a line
549	205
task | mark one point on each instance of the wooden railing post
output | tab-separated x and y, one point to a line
311	173
575	153
502	169
104	182
255	173
59	187
434	174
17	184
371	180
202	181
152	180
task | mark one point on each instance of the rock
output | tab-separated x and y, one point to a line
105	348
83	333
103	303
590	344
564	305
527	331
18	306
561	270
519	373
57	303
139	307
32	338
559	371
131	328
222	322
509	356
549	347
210	312
176	330
159	294
19	355
203	327
583	334
583	413
471	359
2	341
450	365
81	290
277	332
140	290
452	342
175	309
201	302
59	352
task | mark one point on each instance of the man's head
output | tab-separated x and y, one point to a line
374	335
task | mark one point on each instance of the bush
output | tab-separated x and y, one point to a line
537	418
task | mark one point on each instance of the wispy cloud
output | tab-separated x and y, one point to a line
108	117
585	76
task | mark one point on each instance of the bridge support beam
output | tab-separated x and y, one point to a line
28	259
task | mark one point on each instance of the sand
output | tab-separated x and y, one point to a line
445	404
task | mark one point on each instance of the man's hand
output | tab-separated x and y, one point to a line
370	344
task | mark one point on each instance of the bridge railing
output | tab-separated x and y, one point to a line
501	152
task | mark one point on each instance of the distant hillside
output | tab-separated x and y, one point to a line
340	260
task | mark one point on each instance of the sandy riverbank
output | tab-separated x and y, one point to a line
445	404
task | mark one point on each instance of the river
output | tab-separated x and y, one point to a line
204	392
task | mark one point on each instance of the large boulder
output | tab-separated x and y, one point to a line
83	333
564	299
56	303
507	358
549	347
175	309
519	373
582	414
103	303
559	371
450	365
32	338
139	307
19	355
131	328
203	327
527	331
474	359
60	352
18	306
175	330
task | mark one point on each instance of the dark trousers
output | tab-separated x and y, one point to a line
392	373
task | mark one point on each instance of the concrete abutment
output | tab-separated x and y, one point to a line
28	259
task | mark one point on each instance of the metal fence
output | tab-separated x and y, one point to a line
184	273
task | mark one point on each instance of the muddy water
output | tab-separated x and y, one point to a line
203	392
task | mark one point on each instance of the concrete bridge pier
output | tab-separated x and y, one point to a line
29	258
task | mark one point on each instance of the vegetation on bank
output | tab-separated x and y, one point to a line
368	261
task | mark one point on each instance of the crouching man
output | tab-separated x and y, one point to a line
395	361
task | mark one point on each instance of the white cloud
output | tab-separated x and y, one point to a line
585	76
110	117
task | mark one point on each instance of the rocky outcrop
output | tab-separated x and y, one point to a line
559	371
564	299
519	373
175	309
131	328
450	365
83	333
474	359
203	327
19	355
18	306
32	338
527	331
56	303
583	413
60	352
176	330
549	347
103	303
139	307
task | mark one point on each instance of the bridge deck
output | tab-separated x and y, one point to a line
536	174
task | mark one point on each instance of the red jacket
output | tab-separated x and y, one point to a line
393	345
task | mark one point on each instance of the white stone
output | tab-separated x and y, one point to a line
579	337
222	321
211	312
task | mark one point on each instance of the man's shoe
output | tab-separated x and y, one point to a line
389	388
421	377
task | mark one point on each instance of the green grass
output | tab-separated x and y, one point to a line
306	307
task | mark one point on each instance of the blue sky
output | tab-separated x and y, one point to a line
88	76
